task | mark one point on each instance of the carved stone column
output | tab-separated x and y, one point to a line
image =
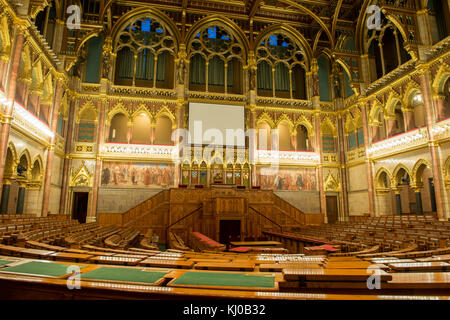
10	94
343	169
374	130
408	114
92	213
440	107
398	202
179	119
21	197
51	149
435	158
418	194
390	125
318	150
5	196
253	141
68	148
369	164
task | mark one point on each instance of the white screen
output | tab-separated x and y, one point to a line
215	120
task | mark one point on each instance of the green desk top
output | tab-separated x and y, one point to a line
225	279
50	269
3	262
124	274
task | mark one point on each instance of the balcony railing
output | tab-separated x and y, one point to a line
399	143
28	122
287	157
138	151
441	130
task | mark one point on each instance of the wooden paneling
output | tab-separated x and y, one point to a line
178	209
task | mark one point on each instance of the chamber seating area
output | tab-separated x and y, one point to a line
411	235
37	259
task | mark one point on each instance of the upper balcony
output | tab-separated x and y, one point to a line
413	139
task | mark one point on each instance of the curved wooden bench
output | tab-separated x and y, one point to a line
356	253
389	253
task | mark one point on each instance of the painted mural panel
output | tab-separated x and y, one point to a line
134	174
292	179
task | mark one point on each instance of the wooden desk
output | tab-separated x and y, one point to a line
331	275
420	266
123	261
167	263
136	256
230	266
419	280
347	265
197	260
11	250
35	253
72	257
267	244
278	267
444	258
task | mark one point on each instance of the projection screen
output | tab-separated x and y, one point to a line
209	124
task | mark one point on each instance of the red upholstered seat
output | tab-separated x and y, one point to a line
206	242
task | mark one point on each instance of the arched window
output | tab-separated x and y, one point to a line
141	129
303	143
281	68
145	54
386	49
439	18
324	78
265	83
216	58
399	120
36	171
163	132
118	129
419	110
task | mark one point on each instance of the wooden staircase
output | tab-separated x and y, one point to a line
186	210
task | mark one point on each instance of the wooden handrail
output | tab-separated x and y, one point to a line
258	212
182	218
